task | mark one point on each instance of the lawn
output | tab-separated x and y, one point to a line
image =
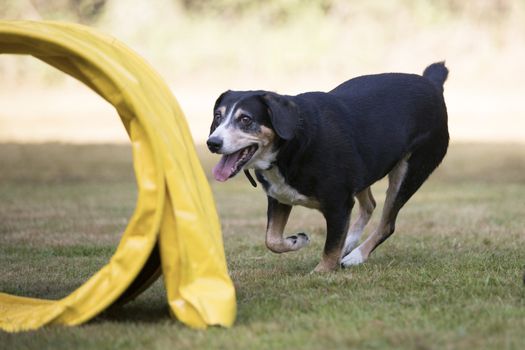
450	277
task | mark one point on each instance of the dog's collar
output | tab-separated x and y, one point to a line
250	178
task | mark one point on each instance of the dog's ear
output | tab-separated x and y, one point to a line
283	113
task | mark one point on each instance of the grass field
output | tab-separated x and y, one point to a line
450	277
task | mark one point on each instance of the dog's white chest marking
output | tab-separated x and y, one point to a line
284	193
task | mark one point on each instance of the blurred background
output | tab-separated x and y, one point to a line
203	47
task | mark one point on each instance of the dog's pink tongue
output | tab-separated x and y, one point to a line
224	169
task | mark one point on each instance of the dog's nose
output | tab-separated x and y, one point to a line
214	144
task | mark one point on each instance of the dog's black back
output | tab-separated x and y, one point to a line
357	132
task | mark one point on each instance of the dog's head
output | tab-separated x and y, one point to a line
247	128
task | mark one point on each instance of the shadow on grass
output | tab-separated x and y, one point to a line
140	312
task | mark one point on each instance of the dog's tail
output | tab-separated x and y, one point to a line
437	73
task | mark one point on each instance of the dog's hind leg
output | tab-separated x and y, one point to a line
278	214
367	205
387	223
404	180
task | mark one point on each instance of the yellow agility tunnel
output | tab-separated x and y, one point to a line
174	229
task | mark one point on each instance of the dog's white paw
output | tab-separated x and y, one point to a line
297	241
352	259
350	243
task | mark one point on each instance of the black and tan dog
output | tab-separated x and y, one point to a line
321	150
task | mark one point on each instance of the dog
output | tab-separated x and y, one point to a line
323	150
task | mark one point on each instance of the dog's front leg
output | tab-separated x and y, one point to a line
337	222
278	214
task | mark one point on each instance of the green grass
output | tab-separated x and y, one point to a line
450	277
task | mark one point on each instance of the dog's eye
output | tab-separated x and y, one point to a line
245	120
217	117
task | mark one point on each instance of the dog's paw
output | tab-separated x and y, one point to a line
350	244
322	268
352	259
297	241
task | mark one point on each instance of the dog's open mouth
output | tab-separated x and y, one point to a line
231	164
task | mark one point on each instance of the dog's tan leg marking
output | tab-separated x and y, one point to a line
329	262
367	204
387	223
277	219
331	259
